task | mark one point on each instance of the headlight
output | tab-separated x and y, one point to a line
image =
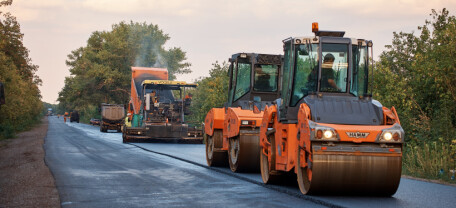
324	133
394	134
387	136
328	134
248	123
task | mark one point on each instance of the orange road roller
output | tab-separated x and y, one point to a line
232	132
325	127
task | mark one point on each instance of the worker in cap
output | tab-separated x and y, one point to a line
327	73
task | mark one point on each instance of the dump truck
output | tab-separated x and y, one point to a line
232	132
74	116
326	127
112	117
155	113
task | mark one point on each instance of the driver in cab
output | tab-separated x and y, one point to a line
327	73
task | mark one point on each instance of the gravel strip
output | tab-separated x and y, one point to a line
25	179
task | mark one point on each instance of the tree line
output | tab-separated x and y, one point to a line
23	106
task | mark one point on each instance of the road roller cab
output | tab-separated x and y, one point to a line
325	126
232	131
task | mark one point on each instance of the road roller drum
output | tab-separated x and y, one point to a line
244	152
353	173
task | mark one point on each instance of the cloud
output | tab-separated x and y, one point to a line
393	8
39	3
154	7
35	10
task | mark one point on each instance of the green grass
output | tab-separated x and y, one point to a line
433	160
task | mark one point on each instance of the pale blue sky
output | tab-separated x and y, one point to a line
208	30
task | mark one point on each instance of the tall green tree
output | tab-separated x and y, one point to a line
417	74
101	71
17	73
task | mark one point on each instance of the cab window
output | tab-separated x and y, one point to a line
306	73
358	84
334	67
242	80
265	78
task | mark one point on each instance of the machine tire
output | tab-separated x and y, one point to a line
303	177
124	136
103	129
215	156
243	153
267	175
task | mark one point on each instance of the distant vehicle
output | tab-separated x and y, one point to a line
95	121
74	116
112	117
49	112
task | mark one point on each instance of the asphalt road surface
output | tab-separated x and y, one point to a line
94	169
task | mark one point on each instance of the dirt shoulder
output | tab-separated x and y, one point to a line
25	179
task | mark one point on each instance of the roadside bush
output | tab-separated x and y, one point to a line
416	74
430	160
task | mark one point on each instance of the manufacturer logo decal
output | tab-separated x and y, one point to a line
357	134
